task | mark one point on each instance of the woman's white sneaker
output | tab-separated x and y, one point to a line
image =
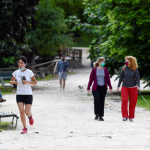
131	120
60	88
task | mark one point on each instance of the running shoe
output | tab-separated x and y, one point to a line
131	120
31	121
60	88
124	119
24	131
96	117
101	119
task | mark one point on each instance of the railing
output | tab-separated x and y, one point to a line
74	53
50	67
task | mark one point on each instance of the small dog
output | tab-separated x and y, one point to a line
80	87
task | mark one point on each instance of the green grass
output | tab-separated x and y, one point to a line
142	103
51	77
5	91
46	78
70	73
4	126
6	81
81	42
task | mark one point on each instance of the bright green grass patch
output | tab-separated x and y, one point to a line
46	77
70	73
6	81
52	76
5	91
142	103
82	42
4	126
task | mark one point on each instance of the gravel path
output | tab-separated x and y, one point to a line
65	121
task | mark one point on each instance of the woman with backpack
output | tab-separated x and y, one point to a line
100	76
131	84
25	78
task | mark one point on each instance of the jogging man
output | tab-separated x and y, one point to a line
62	71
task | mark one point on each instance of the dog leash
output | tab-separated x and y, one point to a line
143	98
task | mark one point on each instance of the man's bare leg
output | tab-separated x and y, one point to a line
64	84
60	84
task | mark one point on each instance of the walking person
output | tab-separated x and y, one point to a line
1	99
100	76
62	72
131	84
24	77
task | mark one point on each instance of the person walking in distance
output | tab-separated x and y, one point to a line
131	84
100	76
62	71
24	77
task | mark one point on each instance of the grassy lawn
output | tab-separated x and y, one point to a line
51	77
142	103
70	73
4	126
46	78
81	42
6	81
6	91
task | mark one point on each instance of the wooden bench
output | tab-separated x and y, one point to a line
4	85
9	114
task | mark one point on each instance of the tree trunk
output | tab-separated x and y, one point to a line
33	28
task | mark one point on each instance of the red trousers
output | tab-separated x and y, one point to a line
132	94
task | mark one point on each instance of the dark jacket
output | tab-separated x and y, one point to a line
93	77
129	77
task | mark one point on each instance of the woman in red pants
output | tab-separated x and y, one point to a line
131	84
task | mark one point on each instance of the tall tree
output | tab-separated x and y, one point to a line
50	30
74	8
15	18
119	28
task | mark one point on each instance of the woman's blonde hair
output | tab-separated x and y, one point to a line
133	62
99	60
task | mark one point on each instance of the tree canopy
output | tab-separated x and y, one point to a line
31	26
50	30
15	19
119	28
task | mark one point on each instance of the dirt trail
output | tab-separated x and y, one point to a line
65	121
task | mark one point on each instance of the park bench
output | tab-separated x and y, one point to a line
4	85
9	114
6	74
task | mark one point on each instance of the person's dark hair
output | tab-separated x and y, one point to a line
24	59
63	56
